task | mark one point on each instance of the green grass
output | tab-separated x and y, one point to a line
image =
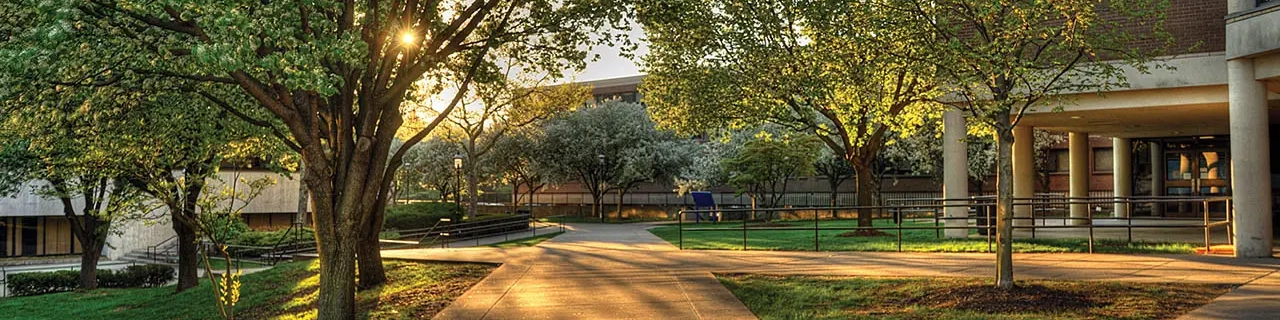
526	242
287	291
812	297
912	240
221	264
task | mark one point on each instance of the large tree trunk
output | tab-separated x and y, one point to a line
336	242
370	255
1004	205
865	184
89	262
188	254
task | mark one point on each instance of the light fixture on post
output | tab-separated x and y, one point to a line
457	172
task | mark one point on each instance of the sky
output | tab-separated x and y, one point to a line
611	64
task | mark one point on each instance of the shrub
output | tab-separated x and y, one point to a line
419	215
37	283
271	238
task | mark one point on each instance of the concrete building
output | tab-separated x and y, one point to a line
1203	128
32	225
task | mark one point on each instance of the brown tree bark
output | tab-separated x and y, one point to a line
89	264
1004	207
188	254
862	177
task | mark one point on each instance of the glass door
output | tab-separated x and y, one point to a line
1196	173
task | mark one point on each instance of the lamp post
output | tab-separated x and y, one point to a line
600	174
457	172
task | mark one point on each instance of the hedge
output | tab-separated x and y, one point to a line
271	238
37	283
420	215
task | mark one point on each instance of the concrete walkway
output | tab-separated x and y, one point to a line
599	271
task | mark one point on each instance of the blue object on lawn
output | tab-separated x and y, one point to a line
702	200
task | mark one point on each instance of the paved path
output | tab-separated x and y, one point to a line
598	271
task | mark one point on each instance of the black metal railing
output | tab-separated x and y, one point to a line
982	209
445	232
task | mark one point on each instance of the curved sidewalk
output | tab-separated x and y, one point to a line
602	271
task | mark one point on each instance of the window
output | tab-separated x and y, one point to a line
1059	161
1102	161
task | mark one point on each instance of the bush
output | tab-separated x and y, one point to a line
151	275
271	238
37	283
419	215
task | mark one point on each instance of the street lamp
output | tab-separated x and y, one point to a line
600	186
457	172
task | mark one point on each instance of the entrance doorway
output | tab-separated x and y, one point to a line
1199	167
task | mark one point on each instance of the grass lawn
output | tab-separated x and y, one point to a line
912	240
812	297
526	242
221	264
287	291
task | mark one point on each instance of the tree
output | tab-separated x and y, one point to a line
1002	58
509	104
765	165
429	166
519	164
819	67
335	75
836	170
613	146
57	147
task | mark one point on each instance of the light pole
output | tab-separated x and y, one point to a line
600	186
457	172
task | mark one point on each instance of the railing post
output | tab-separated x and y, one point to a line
990	227
1230	217
1034	202
815	230
680	227
1090	220
1207	245
744	230
1128	217
897	215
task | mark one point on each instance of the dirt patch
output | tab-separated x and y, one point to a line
863	233
1024	298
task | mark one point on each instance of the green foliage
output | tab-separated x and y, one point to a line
420	215
428	166
286	291
764	166
37	283
612	146
139	276
271	238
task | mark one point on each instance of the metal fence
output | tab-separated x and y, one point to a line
980	210
728	199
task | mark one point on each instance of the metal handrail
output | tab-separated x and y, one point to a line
939	203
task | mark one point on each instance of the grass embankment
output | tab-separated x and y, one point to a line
912	240
287	291
810	297
526	242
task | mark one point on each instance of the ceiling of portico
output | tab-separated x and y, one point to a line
1193	111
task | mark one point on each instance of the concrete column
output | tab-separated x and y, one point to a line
1024	172
1250	160
1157	176
1211	161
1122	174
1078	144
955	170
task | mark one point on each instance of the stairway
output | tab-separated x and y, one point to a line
165	253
